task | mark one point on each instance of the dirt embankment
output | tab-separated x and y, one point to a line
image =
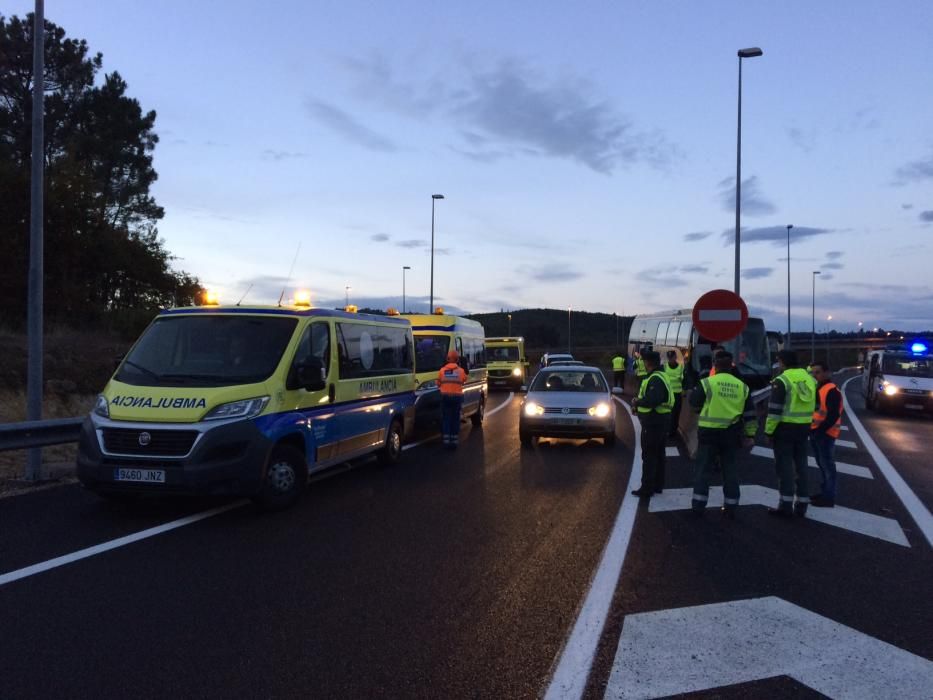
76	365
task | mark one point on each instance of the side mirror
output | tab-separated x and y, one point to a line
311	374
617	391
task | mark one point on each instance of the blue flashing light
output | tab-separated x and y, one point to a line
918	348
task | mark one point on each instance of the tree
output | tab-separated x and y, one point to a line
103	253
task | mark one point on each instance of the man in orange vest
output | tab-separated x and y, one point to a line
450	381
824	429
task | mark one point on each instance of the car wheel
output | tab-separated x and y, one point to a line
285	479
477	418
610	439
391	452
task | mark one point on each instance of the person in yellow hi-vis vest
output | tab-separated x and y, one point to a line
653	407
790	412
618	370
675	377
724	403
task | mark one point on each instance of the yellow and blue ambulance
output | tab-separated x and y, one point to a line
435	335
250	400
506	362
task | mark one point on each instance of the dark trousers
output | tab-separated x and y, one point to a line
618	377
715	445
824	447
451	404
653	445
790	462
675	414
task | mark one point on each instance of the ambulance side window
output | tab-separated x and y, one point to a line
315	342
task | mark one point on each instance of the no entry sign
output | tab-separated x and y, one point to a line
720	315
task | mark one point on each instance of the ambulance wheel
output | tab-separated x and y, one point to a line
285	479
610	439
477	417
391	452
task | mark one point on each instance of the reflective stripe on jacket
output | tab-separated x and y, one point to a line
819	415
675	377
726	398
794	403
640	367
451	379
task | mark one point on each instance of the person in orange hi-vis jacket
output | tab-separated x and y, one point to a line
450	380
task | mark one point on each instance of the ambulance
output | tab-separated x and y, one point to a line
899	377
250	401
506	362
435	335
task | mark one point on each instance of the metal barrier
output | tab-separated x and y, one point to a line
39	433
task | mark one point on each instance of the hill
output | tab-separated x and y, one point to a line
547	329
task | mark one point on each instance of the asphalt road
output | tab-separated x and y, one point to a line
455	575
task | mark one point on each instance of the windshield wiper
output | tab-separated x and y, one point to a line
145	370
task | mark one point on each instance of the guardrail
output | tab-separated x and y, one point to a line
39	433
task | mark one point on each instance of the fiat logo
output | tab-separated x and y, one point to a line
144	439
565	410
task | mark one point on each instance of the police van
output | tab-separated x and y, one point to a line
250	400
899	377
435	335
506	362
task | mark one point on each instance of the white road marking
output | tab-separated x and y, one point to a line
114	544
437	437
843	427
913	504
858	521
841	467
573	667
684	650
502	405
672	452
846	443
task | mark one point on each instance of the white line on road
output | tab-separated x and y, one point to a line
913	504
672	452
502	405
841	467
846	443
113	544
576	659
843	427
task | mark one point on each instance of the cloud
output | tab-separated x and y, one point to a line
553	272
344	124
694	269
753	202
754	273
660	276
914	171
907	206
271	154
801	139
835	254
379	237
411	243
773	234
926	216
697	236
832	266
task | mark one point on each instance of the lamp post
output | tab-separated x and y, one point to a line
742	53
510	325
346	291
404	268
569	344
434	198
788	341
828	319
813	319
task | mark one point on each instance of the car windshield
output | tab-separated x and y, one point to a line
751	353
507	353
906	366
207	350
431	352
585	381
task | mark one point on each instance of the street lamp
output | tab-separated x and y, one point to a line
813	329
569	344
404	267
743	53
434	198
510	325
788	342
346	291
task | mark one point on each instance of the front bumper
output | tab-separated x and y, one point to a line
228	458
902	400
577	426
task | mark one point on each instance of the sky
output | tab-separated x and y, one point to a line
586	151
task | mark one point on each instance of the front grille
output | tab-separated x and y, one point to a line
500	373
162	443
570	411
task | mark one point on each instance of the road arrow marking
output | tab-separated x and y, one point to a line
858	521
685	650
841	467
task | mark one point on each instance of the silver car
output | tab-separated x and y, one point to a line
568	401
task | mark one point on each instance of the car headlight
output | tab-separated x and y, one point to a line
600	410
533	409
102	407
517	372
247	408
890	389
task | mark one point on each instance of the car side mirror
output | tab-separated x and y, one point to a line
617	390
311	374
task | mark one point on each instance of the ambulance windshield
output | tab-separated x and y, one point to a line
207	350
431	352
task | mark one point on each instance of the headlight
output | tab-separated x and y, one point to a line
533	409
102	407
247	408
890	389
517	372
600	410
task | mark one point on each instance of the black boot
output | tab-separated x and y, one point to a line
800	509
782	511
728	512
